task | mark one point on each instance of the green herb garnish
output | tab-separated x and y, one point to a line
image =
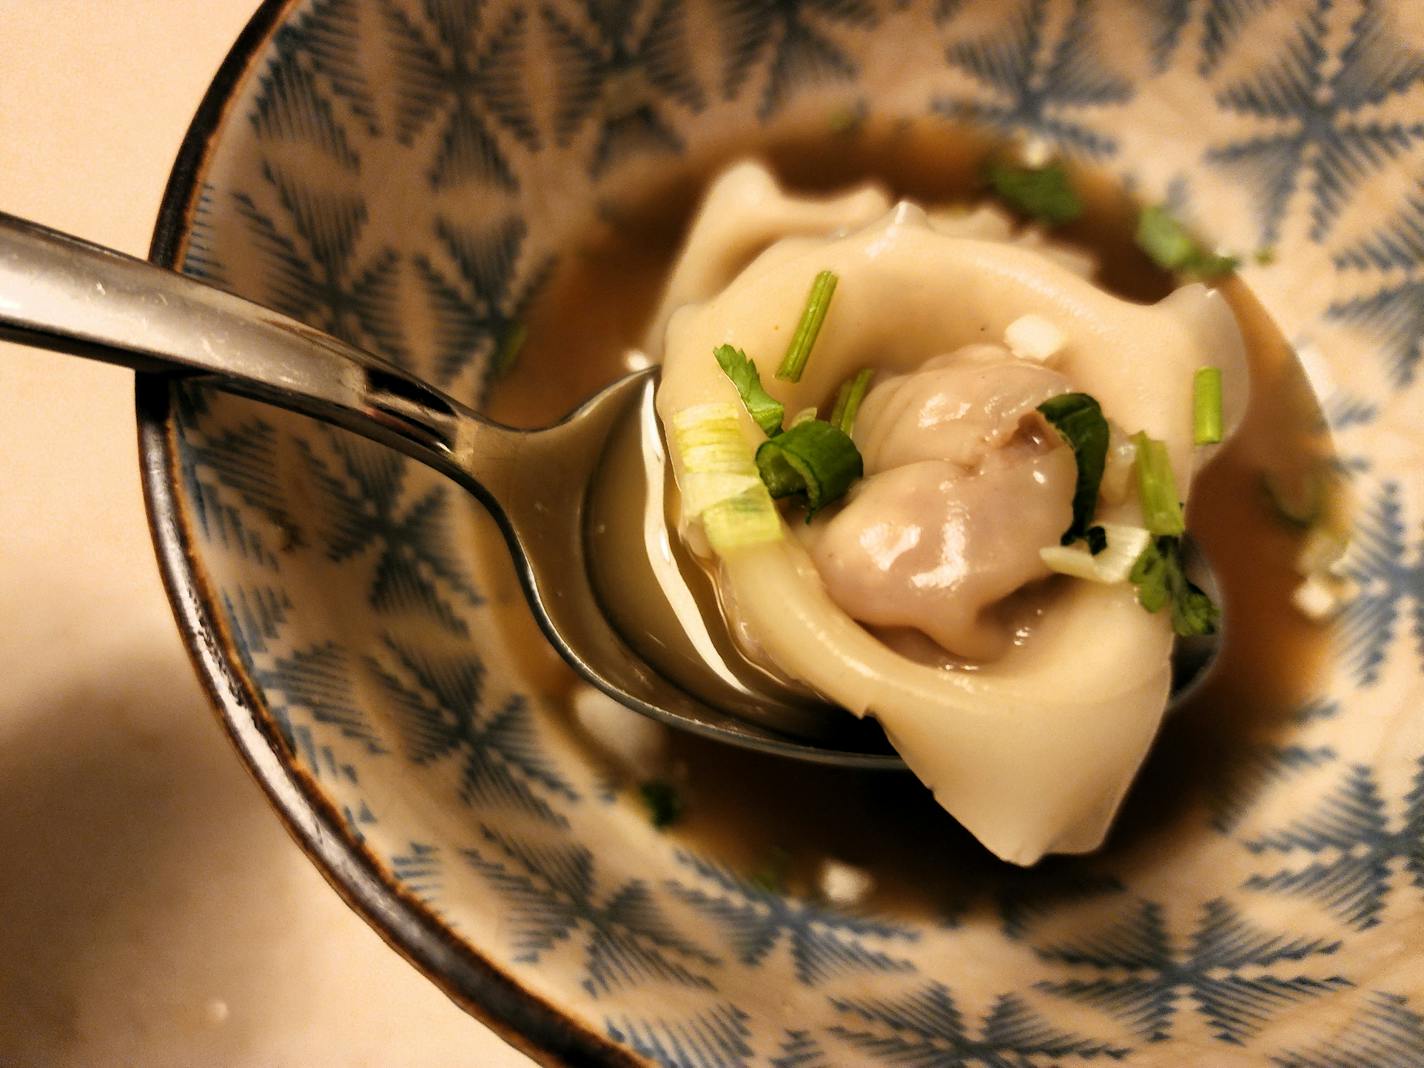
848	399
665	805
1079	419
814	460
1161	580
764	408
799	351
846	119
1042	193
1156	488
1167	241
1206	406
510	341
771	876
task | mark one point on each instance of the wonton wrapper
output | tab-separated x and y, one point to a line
1034	751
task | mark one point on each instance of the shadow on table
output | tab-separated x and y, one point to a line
112	799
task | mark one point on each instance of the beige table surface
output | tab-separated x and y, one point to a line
152	910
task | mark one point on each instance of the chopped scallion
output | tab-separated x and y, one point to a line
771	876
510	340
848	399
1042	193
815	460
764	408
1206	406
799	351
1156	488
1166	240
1079	419
720	484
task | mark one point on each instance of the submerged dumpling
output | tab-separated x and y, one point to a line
1032	724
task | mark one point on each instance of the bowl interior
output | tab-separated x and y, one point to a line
428	179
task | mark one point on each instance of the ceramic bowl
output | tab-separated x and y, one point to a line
413	174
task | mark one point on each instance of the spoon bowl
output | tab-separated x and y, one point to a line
587	553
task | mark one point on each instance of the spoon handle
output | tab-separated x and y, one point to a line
62	293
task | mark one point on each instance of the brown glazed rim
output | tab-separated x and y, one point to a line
472	981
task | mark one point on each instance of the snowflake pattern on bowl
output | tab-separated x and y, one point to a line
408	175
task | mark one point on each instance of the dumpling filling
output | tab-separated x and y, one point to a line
1024	699
964	484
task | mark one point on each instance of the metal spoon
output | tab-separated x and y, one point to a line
62	293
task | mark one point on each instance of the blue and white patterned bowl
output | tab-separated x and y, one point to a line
408	173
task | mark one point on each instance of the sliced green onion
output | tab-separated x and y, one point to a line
1114	563
1320	596
507	348
720	484
799	351
1170	245
764	408
1079	419
848	399
1156	488
1161	580
771	876
1042	193
814	460
1206	406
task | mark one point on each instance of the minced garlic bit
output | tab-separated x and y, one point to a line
842	884
1323	550
1113	564
1035	152
1032	337
1321	561
1319	597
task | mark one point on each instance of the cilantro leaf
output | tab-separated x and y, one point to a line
1161	581
764	408
1042	193
1079	419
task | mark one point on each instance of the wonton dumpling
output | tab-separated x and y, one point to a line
1033	750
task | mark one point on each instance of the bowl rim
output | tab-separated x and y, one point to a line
521	1018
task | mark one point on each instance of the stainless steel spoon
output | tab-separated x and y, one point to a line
62	293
